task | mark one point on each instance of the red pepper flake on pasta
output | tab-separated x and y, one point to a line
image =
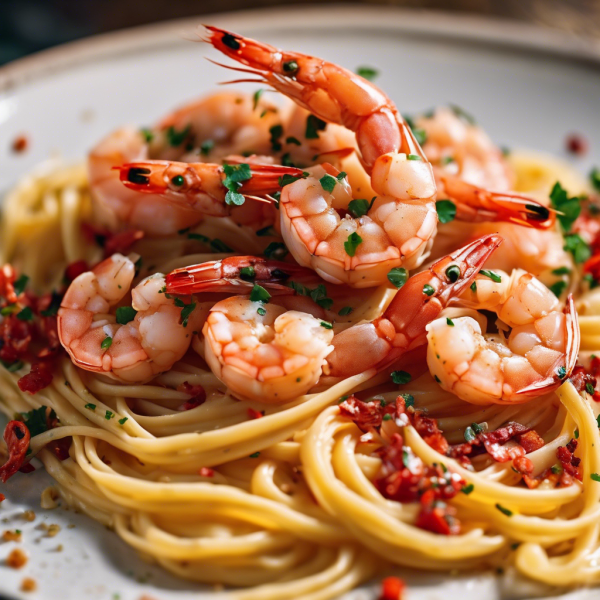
20	144
568	460
575	143
197	393
16	436
255	414
206	472
392	588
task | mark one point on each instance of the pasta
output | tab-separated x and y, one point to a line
296	499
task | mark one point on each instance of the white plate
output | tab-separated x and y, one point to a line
527	86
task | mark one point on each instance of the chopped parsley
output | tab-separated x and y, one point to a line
467	489
147	133
318	294
26	314
561	271
473	286
387	417
576	434
206	146
125	314
261	311
287	179
313	126
449	322
558	288
186	310
90	406
176	138
561	372
398	276
446	210
259	294
493	276
108	415
595	178
328	182
106	343
123	420
276	251
255	455
256	97
504	511
595	476
53	307
346	310
350	246
248	273
326	325
577	246
368	73
428	290
400	377
409	400
360	207
292	140
13	367
413	157
20	284
276	132
234	176
36	420
568	208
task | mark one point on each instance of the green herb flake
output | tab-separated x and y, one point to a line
346	310
259	294
255	455
248	273
409	400
595	178
401	377
576	434
428	290
413	157
577	246
449	322
558	288
473	287
368	73
125	314
350	246
595	476
147	134
26	314
256	97
261	311
556	469
504	511
293	140
123	420
326	325
186	311
569	208
108	415
469	434
276	132
328	182
313	126
561	271
276	251
561	372
398	276
106	343
176	138
20	284
446	210
206	146
387	417
234	176
13	367
467	489
493	276
37	420
360	207
90	406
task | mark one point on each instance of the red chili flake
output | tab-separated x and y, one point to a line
428	429
61	447
206	472
576	144
197	393
392	588
2	497
75	269
20	144
38	378
530	441
366	415
255	414
569	462
16	436
437	516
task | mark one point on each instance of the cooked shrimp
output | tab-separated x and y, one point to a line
396	229
131	346
537	354
213	127
200	186
264	353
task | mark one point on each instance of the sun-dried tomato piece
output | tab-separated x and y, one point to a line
16	436
569	462
437	516
365	415
392	588
15	338
38	378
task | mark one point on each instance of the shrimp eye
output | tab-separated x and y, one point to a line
290	66
539	212
138	175
178	180
453	273
230	41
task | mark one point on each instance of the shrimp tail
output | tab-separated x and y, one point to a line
559	372
475	204
402	327
237	275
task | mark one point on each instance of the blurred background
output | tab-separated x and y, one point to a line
27	26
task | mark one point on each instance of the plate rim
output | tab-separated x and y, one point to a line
483	30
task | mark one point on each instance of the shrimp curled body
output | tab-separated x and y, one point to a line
136	350
533	359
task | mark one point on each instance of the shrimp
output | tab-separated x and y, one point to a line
339	240
264	352
213	127
125	345
534	352
397	228
200	186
